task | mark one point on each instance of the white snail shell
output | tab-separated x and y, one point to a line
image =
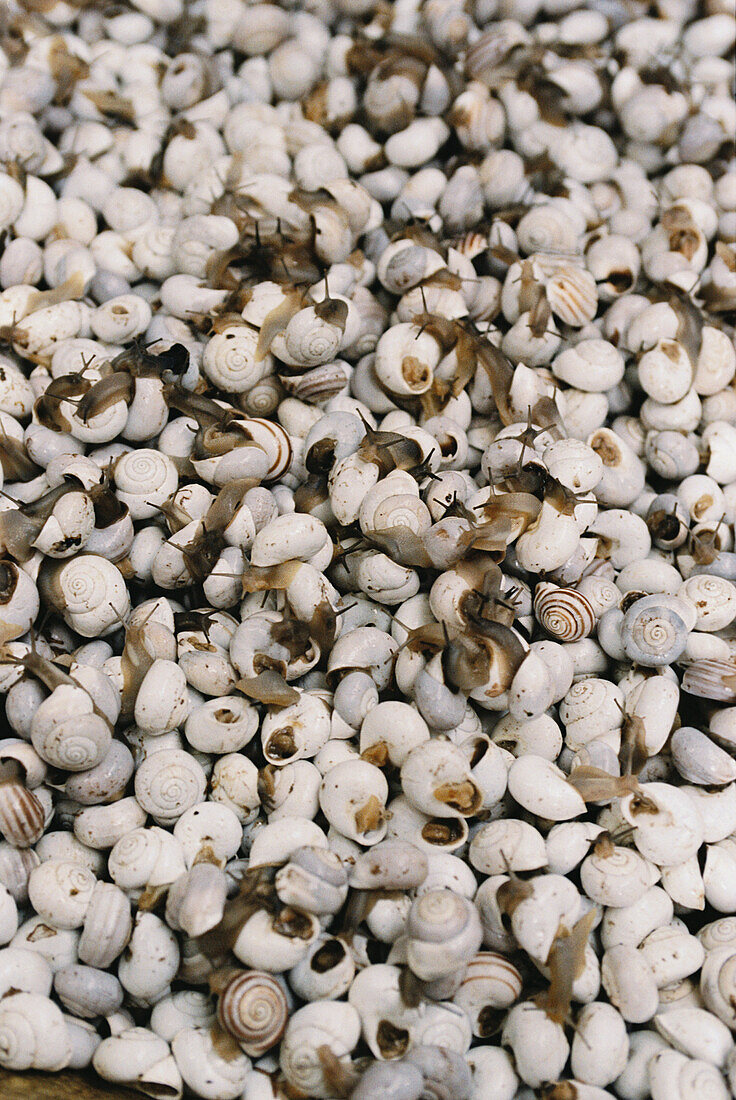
60	891
107	926
335	1025
144	479
67	732
169	783
206	1072
89	592
33	1034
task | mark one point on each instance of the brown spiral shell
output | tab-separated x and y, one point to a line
565	614
274	441
22	817
253	1008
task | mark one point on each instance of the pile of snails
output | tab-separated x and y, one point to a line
367	564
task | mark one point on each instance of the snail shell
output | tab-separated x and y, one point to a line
573	296
33	1034
567	615
317	385
507	844
144	479
711	679
390	865
107	926
314	880
88	992
699	760
22	816
67	733
168	783
443	933
652	633
272	438
718	983
673	1076
336	1025
230	362
491	983
714	599
253	1008
88	591
719	933
60	891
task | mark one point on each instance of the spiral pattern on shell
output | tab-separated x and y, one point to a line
402	510
546	229
720	933
437	915
76	745
145	471
653	634
271	438
697	1080
229	360
89	591
309	341
714	599
33	1034
169	783
60	891
254	1009
263	398
82	588
133	858
564	613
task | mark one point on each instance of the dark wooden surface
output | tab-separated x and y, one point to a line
70	1085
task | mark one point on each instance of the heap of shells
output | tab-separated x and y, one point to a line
367	564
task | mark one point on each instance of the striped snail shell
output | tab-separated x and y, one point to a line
567	615
572	294
272	438
22	816
491	983
319	384
652	632
711	679
253	1008
493	47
